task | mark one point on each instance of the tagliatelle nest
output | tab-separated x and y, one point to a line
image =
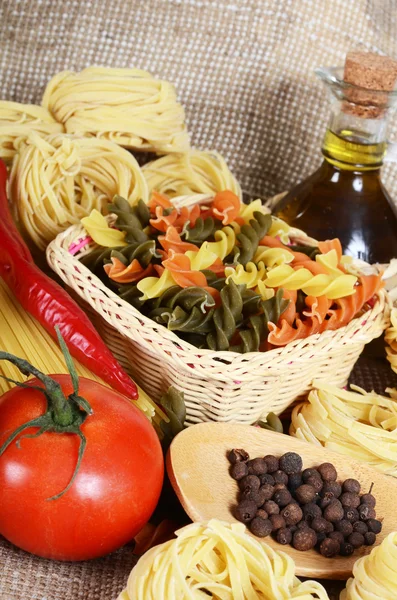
57	180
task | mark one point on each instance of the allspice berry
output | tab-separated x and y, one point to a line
366	512
282	497
334	511
305	494
284	536
320	525
346	549
260	527
271	508
262	514
272	463
369	538
344	526
336	536
277	522
310	473
329	548
351	514
304	539
267	478
292	514
257	466
311	511
374	526
237	455
280	477
327	472
368	499
356	539
239	470
266	491
360	527
290	463
350	500
331	489
245	511
316	483
294	481
351	485
250	483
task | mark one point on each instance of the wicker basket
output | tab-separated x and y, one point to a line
218	386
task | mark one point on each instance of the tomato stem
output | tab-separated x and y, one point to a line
63	414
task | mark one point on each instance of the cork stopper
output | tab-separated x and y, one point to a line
372	72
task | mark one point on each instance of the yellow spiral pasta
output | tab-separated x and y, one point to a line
202	259
220	561
153	287
224	244
126	106
100	231
196	172
272	257
355	423
57	180
318	285
375	575
17	121
391	340
250	275
247	210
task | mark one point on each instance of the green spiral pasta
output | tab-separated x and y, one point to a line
258	329
143	252
249	238
131	219
214	280
193	321
310	251
183	309
226	317
130	293
202	231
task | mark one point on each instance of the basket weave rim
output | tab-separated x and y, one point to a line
60	248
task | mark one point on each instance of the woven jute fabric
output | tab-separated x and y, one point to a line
244	71
242	68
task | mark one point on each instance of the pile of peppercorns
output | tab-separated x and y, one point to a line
306	508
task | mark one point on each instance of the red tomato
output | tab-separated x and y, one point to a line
116	489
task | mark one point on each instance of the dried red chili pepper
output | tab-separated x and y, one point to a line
51	305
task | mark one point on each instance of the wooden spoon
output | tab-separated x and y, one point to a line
199	472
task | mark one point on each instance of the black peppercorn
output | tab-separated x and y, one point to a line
292	514
320	525
284	536
291	463
294	481
237	455
310	473
329	548
334	511
369	538
350	500
337	536
245	511
239	470
374	526
360	527
260	527
257	466
262	514
280	477
266	478
282	497
351	514
277	522
346	549
250	483
271	508
316	483
351	485
305	494
327	472
272	463
356	539
311	511
366	512
331	489
304	539
344	526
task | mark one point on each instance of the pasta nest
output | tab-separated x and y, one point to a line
58	179
375	575
217	560
355	423
17	121
196	172
126	106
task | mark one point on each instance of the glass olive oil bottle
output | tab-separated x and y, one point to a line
345	197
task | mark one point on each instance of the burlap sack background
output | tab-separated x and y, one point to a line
244	71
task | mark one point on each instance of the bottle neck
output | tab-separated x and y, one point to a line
353	143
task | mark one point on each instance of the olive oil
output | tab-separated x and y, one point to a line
345	198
